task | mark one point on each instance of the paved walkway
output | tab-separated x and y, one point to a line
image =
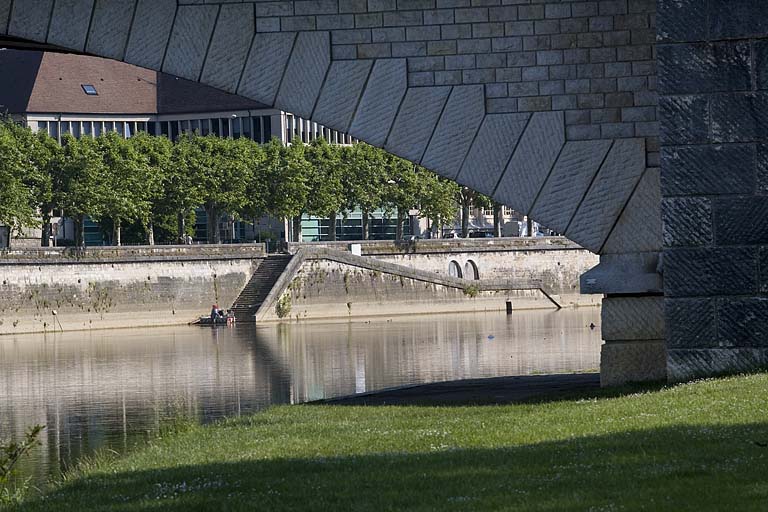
499	390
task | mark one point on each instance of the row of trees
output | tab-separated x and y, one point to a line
154	186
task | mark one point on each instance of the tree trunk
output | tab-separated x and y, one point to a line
80	231
332	227
151	233
529	226
116	232
399	227
182	228
214	237
497	217
45	237
464	218
366	220
297	229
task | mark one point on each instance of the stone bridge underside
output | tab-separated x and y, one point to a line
550	107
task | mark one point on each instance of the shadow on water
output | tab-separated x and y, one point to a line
495	391
675	468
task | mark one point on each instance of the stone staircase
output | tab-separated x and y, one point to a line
259	286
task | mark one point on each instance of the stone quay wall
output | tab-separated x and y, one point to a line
110	287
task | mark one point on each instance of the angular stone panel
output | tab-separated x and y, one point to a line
639	228
304	76
381	99
609	194
496	140
687	221
690	322
532	161
229	47
150	33
416	121
704	170
69	25
455	131
190	36
29	19
568	182
110	27
265	66
709	271
341	94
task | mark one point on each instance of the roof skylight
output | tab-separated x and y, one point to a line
90	90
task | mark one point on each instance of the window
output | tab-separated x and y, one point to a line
42	126
236	130
215	127
470	270
246	127
89	90
76	129
267	128
98	127
205	127
87	128
225	127
454	269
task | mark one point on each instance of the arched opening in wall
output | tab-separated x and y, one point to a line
454	269
471	271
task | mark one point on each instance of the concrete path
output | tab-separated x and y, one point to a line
498	390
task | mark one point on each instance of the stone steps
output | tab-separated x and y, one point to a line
258	287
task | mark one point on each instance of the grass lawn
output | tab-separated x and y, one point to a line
698	446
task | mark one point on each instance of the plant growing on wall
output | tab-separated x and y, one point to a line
283	306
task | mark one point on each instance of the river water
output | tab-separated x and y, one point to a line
116	389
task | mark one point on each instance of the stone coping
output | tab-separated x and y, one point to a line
144	253
443	245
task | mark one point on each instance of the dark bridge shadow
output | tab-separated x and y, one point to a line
493	391
677	468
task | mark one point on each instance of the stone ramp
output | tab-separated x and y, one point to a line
263	312
496	390
261	283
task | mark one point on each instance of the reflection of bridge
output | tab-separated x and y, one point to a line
549	107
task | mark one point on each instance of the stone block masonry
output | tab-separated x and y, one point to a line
713	64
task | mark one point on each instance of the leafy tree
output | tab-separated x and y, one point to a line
438	199
403	189
326	196
220	166
156	153
126	184
365	181
83	181
182	191
285	170
468	199
15	197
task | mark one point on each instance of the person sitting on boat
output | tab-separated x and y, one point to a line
214	313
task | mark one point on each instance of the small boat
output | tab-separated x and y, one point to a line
207	321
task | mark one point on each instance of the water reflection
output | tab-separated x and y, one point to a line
111	389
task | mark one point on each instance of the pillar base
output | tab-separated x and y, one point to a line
622	362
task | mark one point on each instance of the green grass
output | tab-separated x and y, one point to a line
689	447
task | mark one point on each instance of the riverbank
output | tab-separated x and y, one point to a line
698	446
